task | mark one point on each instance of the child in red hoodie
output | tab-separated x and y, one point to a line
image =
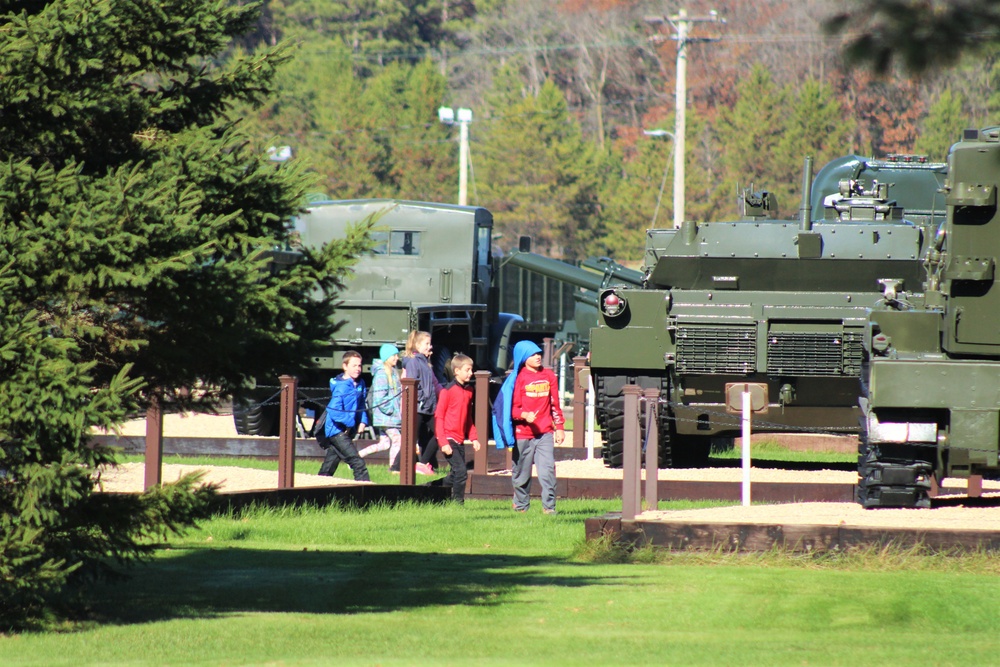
454	423
538	427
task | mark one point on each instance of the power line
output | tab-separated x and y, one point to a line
411	54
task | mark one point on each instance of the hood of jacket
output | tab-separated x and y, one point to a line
503	426
522	351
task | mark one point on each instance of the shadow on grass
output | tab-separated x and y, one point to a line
205	583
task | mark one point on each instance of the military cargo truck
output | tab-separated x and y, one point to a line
431	269
931	401
778	302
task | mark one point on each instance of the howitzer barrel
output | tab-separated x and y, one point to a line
613	271
567	273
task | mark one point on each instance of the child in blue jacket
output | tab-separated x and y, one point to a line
344	413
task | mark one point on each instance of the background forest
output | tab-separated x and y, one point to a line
561	92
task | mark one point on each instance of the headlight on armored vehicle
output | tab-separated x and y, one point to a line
613	304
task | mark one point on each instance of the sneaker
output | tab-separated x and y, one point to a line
424	469
551	511
519	510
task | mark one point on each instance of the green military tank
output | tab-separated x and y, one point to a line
931	400
783	303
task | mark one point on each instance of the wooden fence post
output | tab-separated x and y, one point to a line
652	448
580	375
479	466
631	455
286	431
408	446
154	443
548	349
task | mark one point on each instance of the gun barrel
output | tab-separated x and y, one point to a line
567	273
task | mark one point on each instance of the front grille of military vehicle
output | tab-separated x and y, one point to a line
717	350
814	353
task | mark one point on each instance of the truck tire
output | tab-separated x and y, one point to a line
252	418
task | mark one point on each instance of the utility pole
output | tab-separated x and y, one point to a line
681	23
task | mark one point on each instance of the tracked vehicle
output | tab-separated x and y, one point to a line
931	400
779	302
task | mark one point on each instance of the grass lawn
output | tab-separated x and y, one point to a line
480	584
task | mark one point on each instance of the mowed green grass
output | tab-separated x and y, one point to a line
431	584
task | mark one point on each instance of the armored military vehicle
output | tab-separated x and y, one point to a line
777	302
931	403
431	269
915	182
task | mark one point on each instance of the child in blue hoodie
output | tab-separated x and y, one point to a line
344	413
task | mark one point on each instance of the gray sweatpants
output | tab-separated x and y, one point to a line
537	451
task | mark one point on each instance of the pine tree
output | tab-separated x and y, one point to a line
538	175
750	131
135	223
942	127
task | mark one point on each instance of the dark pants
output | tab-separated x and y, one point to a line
458	474
425	438
342	449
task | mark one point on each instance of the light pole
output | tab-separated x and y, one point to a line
448	116
681	23
663	183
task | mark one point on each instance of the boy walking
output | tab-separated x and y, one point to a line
343	414
536	420
455	423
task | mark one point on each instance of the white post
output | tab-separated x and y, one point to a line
589	439
746	446
562	380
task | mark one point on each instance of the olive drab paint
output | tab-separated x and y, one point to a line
782	303
931	405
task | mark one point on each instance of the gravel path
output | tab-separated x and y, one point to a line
130	477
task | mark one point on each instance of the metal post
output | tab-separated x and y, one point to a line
479	466
408	446
652	448
154	443
631	460
580	373
286	431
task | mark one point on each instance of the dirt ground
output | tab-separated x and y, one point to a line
130	478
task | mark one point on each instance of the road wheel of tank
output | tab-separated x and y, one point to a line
252	418
612	446
892	476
